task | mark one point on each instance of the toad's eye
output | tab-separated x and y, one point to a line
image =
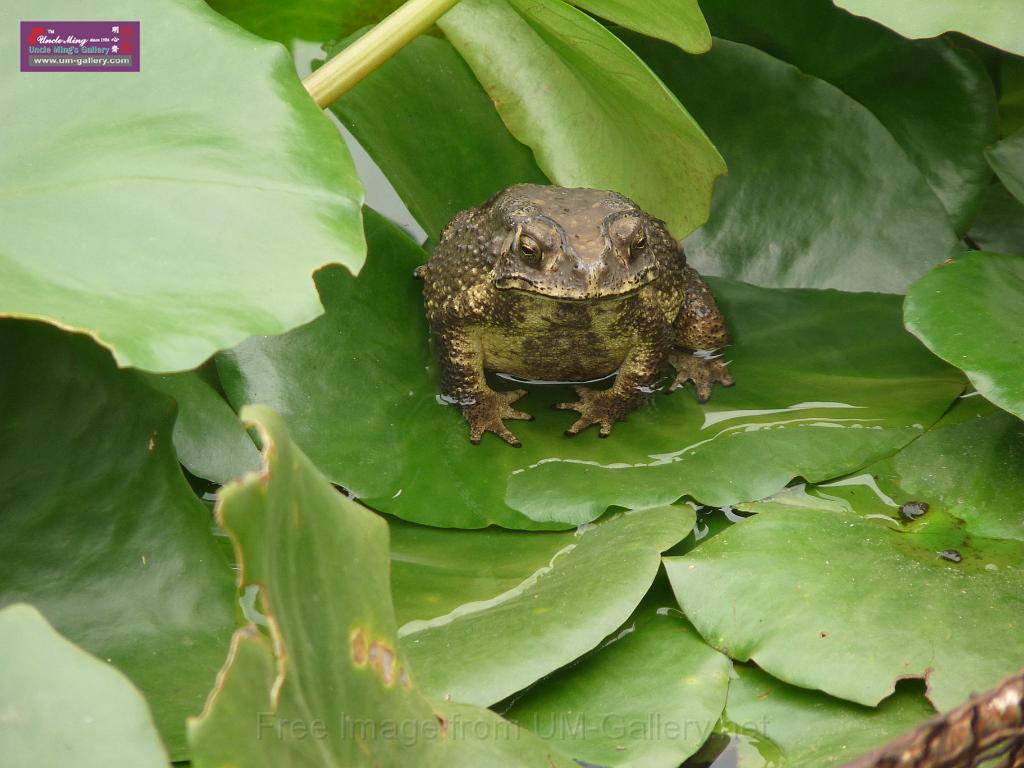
529	250
639	246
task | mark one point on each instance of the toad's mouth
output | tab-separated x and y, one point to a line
573	294
545	292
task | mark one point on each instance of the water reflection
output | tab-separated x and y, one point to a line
712	418
711	521
868	481
543	382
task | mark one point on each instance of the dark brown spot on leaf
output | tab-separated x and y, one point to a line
358	643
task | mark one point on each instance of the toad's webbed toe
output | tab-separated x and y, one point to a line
703	369
603	407
486	414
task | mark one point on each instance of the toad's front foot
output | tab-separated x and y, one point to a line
485	414
597	406
702	369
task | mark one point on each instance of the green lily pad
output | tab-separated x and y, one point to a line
849	605
436	570
426	96
164	223
970	311
315	20
804	203
967	465
208	436
649	696
679	22
60	704
98	527
782	726
601	120
907	85
996	22
826	383
960	466
483	650
999	227
1007	160
330	685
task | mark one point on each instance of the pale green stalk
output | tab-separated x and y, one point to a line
378	45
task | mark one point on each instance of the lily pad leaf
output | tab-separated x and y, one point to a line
804	205
962	465
650	695
1007	160
329	686
776	724
997	22
162	223
484	650
999	227
970	311
426	96
849	605
60	704
98	527
436	570
313	20
959	467
679	22
602	120
826	383
908	85
208	436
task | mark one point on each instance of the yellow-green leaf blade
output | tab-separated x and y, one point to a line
175	211
593	113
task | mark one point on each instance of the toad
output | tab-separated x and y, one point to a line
569	285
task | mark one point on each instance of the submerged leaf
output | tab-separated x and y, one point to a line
171	212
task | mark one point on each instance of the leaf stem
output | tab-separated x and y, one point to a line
351	65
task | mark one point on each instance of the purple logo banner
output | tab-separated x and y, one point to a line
79	46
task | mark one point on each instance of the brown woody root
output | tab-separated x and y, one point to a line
986	731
